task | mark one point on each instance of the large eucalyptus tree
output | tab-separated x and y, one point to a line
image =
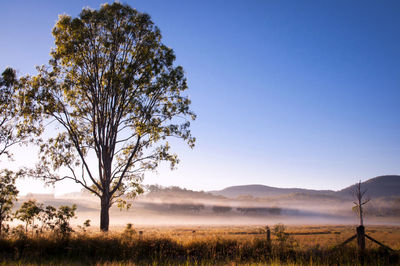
113	90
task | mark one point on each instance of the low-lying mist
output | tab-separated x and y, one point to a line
185	208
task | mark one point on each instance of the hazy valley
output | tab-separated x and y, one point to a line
241	205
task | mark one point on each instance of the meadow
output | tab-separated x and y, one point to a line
202	245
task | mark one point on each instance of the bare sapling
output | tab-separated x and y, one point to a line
360	200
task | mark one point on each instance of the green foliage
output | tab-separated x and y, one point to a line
123	204
115	93
7	111
47	216
8	194
14	127
62	217
28	212
56	220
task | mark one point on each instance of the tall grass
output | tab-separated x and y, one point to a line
126	248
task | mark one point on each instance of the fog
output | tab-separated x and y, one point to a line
180	207
176	211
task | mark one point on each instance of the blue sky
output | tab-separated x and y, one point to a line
287	93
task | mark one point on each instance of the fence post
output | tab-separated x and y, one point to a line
268	231
361	238
361	242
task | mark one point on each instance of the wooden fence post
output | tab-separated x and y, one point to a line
361	238
268	231
361	242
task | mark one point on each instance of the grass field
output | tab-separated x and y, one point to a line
204	245
304	236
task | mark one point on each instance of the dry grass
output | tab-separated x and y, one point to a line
203	245
306	236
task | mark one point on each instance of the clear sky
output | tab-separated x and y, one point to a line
287	93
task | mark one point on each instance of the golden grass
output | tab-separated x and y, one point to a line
204	245
306	236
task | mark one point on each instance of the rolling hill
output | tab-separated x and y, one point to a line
264	191
381	186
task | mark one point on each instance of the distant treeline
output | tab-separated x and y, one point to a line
157	191
194	208
260	211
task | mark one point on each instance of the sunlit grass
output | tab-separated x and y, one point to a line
201	245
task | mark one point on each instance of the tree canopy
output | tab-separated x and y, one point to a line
113	91
14	128
8	194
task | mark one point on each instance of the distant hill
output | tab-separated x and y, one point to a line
264	191
381	186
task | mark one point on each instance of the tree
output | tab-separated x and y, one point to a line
58	220
7	112
14	128
358	195
8	194
47	217
63	215
28	212
221	209
113	89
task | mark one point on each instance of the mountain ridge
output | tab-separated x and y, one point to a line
380	186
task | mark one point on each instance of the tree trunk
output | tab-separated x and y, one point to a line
104	213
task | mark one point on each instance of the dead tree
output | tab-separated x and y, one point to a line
360	201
